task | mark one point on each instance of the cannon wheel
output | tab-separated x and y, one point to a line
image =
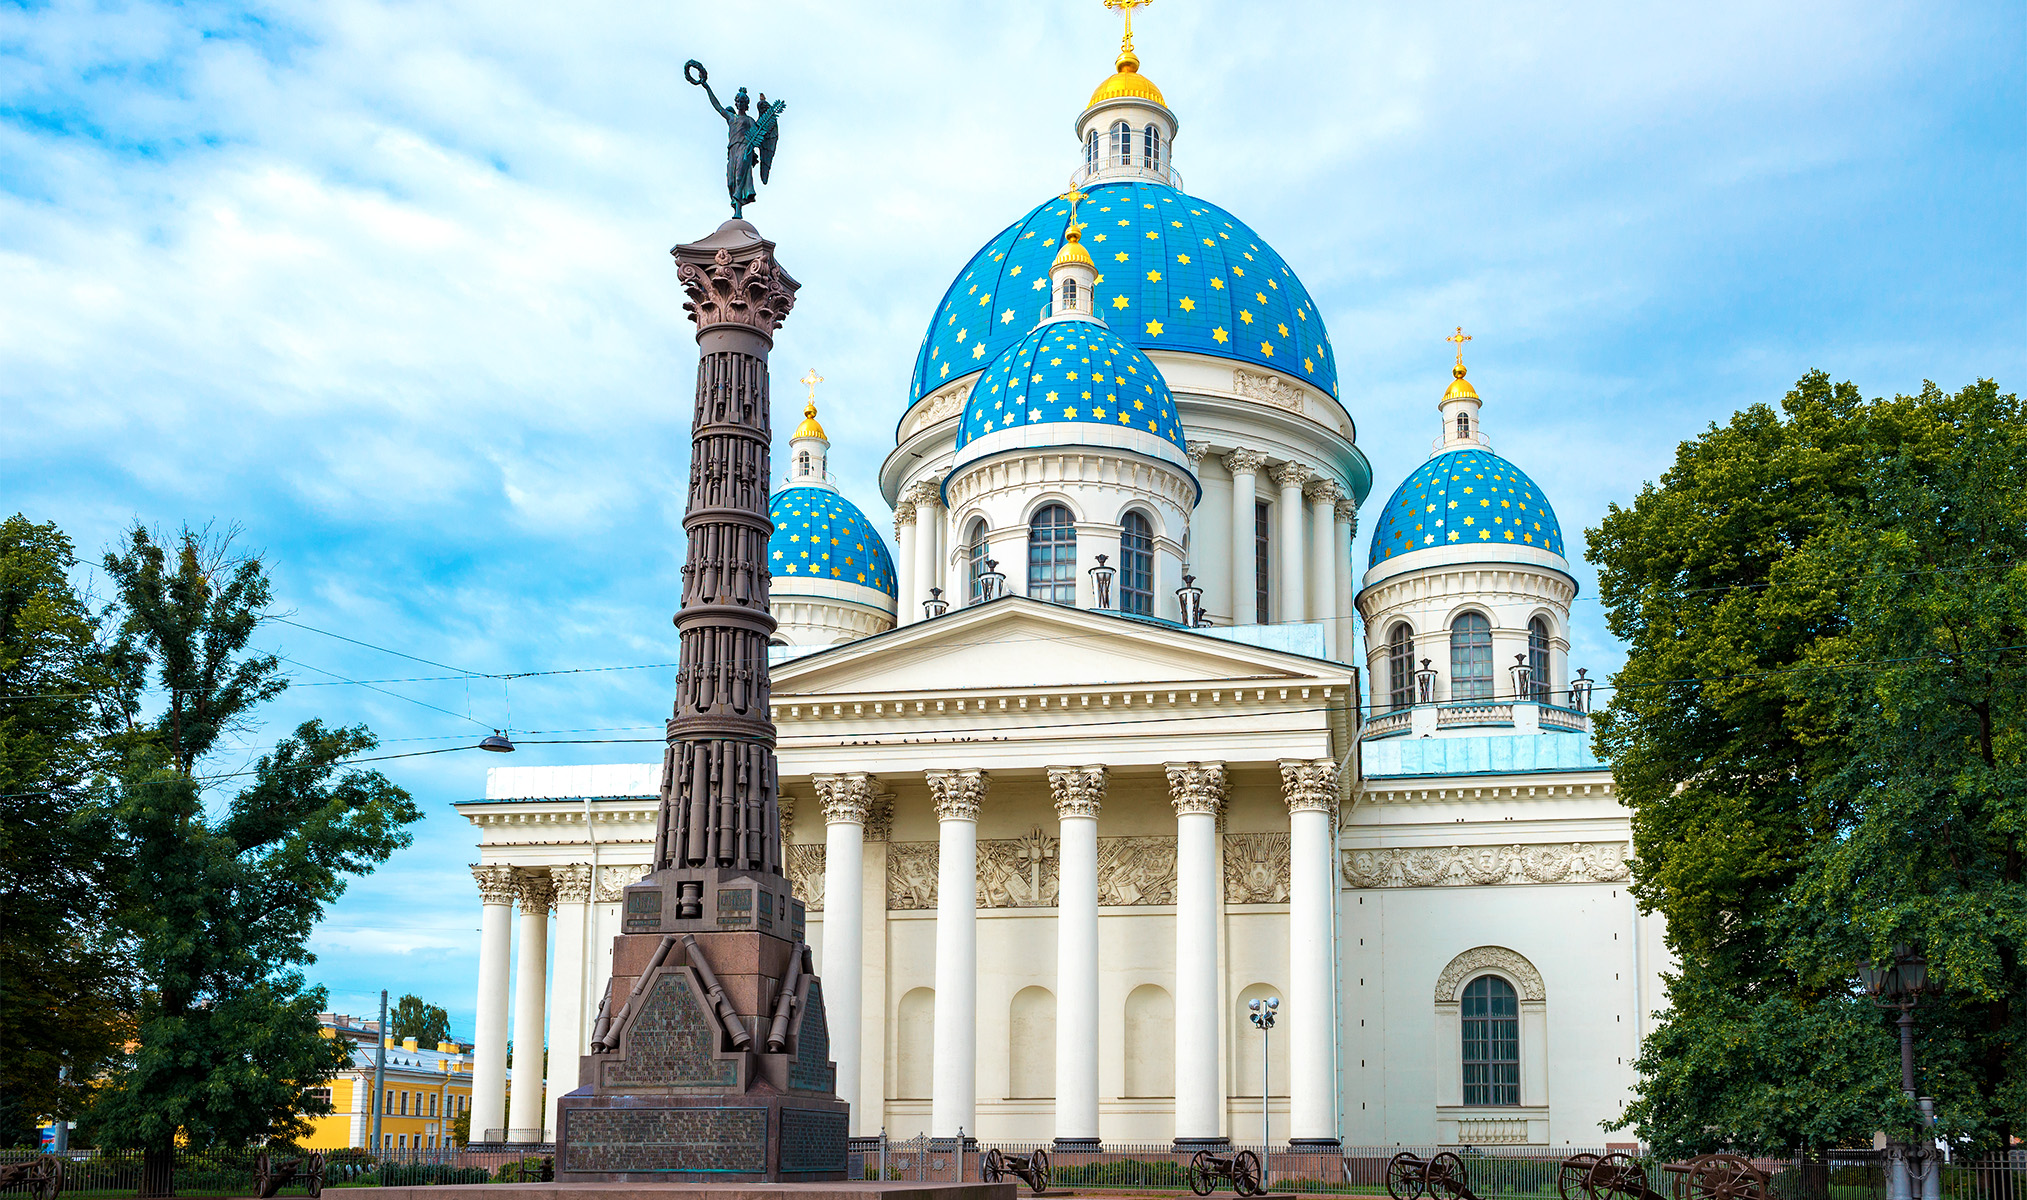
1617	1176
1404	1176
1445	1177
1201	1178
45	1177
1246	1174
1569	1180
1039	1166
1725	1177
263	1176
993	1167
313	1174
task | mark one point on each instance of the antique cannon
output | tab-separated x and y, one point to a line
1410	1176
41	1178
1620	1176
270	1176
1031	1169
1241	1170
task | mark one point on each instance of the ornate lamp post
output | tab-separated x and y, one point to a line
935	606
1261	1014
1523	679
1580	690
1900	984
1425	684
991	581
1189	598
1101	583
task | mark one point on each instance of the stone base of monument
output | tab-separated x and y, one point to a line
841	1190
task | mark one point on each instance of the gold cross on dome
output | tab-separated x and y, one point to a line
810	380
1075	197
1459	337
1127	7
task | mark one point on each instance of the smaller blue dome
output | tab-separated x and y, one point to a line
1465	496
1063	383
818	534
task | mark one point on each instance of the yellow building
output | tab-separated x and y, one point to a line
424	1091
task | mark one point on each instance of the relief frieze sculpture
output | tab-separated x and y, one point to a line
1270	388
1026	872
1256	868
805	875
1467	866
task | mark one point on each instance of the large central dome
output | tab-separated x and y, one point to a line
1175	273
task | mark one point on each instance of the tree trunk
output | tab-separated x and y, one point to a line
158	1171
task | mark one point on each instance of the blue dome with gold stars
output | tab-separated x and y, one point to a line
818	534
1174	273
1465	496
1071	382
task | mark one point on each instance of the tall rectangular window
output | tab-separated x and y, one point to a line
1136	565
1471	657
1263	528
1052	556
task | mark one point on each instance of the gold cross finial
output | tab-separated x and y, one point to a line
810	380
1076	230
1127	7
1459	337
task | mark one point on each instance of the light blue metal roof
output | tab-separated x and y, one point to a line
1491	754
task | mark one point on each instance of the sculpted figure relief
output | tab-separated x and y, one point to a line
1256	868
1457	866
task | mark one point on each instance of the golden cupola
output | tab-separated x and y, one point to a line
1127	128
809	427
1127	82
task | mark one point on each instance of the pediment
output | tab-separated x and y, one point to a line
1019	643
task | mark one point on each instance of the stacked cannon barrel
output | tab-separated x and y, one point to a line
710	1052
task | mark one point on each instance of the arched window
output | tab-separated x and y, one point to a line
1491	1019
1150	148
1091	149
1471	657
1401	667
1463	425
1136	565
975	551
1537	659
1052	556
1069	295
802	463
1122	144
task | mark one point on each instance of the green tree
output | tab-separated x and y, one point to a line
63	1003
219	892
1818	730
426	1023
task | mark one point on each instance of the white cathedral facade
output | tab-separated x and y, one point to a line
1098	756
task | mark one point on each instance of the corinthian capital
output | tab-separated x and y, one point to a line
496	883
1346	509
957	793
735	285
880	821
573	883
1078	790
1292	474
1197	787
536	893
847	799
1309	785
1244	462
1323	489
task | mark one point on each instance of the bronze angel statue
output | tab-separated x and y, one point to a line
750	137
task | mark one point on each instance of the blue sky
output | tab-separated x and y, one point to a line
386	284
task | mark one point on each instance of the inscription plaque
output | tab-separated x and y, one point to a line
643	912
813	1140
661	1140
811	1067
735	906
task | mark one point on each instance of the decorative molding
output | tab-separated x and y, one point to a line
805	875
847	798
1058	467
754	291
1292	474
911	875
1136	871
1480	866
939	406
957	794
1078	791
1019	872
1272	389
1489	958
1197	451
535	892
784	804
1197	788
880	820
613	881
573	883
1243	461
1346	509
927	495
1323	488
497	884
904	514
1309	785
1256	868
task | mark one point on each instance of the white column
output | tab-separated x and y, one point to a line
1245	468
1078	793
1197	790
928	523
489	1039
1291	476
1344	527
847	801
954	1076
1322	494
531	969
1310	788
904	566
568	1038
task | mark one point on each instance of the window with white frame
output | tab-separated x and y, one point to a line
975	552
1537	660
1150	148
1122	144
1471	657
1401	666
1052	556
1136	565
1490	1009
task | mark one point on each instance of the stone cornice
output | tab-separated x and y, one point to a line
1488	581
1085	466
1419	791
931	708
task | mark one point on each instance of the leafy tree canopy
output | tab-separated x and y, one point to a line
426	1023
1819	729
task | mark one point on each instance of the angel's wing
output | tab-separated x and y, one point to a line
766	135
